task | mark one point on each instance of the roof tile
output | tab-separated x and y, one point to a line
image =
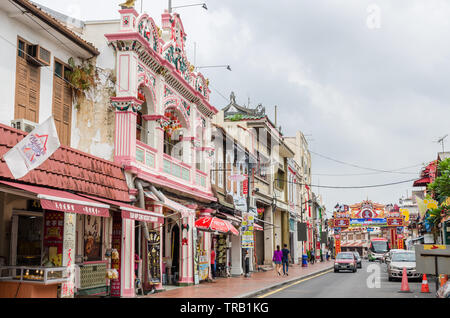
68	169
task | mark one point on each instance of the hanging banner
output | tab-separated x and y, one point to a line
33	150
116	242
337	243
247	230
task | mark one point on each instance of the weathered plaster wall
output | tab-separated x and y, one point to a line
94	119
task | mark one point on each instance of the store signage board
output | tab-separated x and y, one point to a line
141	217
394	222
74	208
237	177
428	254
341	222
367	222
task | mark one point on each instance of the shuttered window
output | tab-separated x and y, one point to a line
28	78
62	103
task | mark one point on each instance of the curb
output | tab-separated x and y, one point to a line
253	294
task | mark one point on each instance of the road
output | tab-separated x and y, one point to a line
370	281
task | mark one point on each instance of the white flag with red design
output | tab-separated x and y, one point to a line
33	150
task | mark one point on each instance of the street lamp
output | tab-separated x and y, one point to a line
228	67
188	5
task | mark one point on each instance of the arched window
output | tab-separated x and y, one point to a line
172	133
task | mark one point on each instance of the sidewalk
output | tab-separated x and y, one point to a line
241	287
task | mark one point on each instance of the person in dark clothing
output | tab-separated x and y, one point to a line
285	260
313	257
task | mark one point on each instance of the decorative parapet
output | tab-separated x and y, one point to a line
124	103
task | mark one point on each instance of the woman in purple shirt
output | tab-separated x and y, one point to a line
277	257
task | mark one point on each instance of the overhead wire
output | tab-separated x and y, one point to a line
366	168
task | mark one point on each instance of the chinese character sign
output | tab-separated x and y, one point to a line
247	230
33	150
67	288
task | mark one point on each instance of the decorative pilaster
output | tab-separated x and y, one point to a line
125	132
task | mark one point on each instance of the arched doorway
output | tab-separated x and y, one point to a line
175	252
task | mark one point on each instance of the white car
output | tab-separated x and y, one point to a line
403	259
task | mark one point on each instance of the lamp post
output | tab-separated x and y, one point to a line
228	67
188	5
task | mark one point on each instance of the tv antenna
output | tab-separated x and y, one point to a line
441	140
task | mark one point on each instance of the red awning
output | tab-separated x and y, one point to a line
258	227
212	224
58	200
422	182
132	212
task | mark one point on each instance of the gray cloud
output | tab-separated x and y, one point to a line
374	97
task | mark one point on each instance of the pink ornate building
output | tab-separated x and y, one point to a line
162	139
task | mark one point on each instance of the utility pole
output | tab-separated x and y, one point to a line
170	6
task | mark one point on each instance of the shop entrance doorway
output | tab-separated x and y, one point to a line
175	253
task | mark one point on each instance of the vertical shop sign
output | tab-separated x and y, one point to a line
115	257
247	230
337	246
196	253
154	256
68	258
53	236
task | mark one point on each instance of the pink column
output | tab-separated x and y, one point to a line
125	132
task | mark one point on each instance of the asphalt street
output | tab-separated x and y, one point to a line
370	281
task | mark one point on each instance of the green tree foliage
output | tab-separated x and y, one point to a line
441	185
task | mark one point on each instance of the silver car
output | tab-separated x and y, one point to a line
400	260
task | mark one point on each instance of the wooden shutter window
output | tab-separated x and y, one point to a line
62	104
27	94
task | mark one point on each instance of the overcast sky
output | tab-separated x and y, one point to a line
366	81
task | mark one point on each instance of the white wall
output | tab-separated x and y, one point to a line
11	29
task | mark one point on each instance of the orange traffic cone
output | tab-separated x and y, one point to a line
425	288
405	286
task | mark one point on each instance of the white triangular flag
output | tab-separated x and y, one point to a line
33	150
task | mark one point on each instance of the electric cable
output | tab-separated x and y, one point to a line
365	168
349	187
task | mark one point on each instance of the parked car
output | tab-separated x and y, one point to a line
345	260
403	259
358	259
444	291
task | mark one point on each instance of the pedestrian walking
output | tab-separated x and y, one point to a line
313	258
277	258
328	255
285	260
247	263
213	263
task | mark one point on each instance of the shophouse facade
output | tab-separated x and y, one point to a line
302	157
57	219
232	182
253	127
162	139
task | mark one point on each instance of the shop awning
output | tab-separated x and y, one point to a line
422	182
58	200
175	206
258	227
132	212
212	224
231	218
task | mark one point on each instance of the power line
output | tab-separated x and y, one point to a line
350	187
365	168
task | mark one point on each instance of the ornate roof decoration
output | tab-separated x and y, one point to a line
233	109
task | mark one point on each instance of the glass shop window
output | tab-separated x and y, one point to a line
93	238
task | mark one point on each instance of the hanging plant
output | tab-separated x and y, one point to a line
82	77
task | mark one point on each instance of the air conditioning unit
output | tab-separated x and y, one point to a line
23	124
37	55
